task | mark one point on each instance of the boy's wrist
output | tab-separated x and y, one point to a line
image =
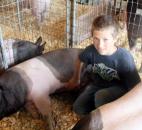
90	68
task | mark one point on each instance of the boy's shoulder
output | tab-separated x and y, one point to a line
123	51
124	54
89	46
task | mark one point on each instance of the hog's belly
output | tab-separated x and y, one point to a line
131	123
42	80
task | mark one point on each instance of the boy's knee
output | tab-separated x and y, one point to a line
79	110
102	97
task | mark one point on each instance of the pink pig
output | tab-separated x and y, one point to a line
39	8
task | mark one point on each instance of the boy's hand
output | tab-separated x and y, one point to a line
89	68
85	75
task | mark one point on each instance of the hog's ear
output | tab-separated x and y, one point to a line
39	41
42	47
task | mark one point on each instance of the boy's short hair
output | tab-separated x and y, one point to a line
105	21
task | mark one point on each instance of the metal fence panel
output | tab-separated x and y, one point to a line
21	19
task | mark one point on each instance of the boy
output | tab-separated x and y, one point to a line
113	68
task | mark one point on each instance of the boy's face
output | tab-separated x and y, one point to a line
103	41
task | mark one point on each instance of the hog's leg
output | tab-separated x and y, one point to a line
42	102
31	108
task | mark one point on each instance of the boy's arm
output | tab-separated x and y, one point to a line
132	78
80	71
128	72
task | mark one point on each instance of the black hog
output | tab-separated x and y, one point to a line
17	51
32	81
134	21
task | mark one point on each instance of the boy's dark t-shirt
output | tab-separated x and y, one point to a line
116	69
